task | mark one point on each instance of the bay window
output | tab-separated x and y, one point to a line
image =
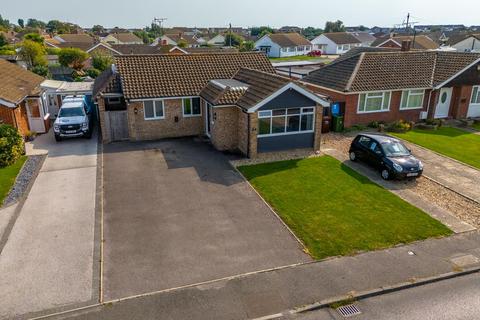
153	109
412	99
285	121
374	102
191	107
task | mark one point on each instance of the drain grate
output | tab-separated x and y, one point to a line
349	310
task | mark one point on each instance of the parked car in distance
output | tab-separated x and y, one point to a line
386	153
73	119
315	53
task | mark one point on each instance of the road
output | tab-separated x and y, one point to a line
457	298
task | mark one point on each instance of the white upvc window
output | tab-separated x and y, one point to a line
300	48
374	102
286	121
284	49
412	99
475	95
153	110
191	107
291	49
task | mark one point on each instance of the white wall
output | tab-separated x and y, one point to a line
277	52
467	45
329	47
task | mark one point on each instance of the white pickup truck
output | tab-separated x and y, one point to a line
73	119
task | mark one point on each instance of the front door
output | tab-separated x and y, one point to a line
35	115
443	105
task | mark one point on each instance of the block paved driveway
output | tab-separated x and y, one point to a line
176	213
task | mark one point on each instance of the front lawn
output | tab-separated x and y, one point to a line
8	176
296	58
452	142
336	211
476	126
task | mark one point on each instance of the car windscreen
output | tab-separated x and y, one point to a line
394	149
71	112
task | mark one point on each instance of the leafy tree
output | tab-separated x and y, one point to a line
247	46
97	29
101	62
311	32
52	51
144	36
93	73
34	23
334	26
33	53
3	40
154	31
4	24
41	70
34	37
7	50
234	40
11	145
56	26
362	28
21	23
72	57
260	31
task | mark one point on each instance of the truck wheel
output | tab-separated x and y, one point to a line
58	138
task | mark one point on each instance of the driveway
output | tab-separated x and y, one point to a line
177	214
48	260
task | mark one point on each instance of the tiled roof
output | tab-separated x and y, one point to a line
107	82
341	37
136	48
371	71
76	38
126	37
358	50
16	83
289	39
79	45
422	42
156	76
363	36
182	37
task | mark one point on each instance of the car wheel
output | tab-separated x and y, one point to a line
353	156
57	138
385	174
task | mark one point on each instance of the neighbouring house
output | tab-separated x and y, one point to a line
420	42
73	40
279	45
234	98
217	40
464	42
335	42
56	91
176	39
22	99
122	38
366	39
391	86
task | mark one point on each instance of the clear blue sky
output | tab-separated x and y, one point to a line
138	13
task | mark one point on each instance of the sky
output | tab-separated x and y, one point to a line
246	13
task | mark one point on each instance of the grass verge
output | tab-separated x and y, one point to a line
8	176
336	211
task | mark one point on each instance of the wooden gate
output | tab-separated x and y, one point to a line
118	125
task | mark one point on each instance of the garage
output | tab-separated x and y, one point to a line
474	108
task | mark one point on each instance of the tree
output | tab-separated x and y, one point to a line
234	40
41	70
311	32
4	24
21	23
34	37
260	31
3	40
142	34
336	26
36	24
182	43
33	53
56	26
362	28
247	46
101	62
72	57
97	29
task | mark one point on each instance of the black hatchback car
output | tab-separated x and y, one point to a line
388	154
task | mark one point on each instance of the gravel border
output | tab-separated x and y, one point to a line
27	173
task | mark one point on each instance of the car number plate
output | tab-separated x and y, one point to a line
71	131
413	174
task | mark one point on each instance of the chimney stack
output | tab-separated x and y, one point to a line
406	45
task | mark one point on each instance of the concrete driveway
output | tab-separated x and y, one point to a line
48	260
176	214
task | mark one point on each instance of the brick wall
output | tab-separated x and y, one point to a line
103	125
224	131
318	128
252	135
141	129
243	132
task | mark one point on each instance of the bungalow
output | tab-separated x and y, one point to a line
217	40
389	86
122	38
420	42
236	99
335	42
465	42
278	45
22	100
176	39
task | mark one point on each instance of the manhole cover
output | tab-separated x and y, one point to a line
349	310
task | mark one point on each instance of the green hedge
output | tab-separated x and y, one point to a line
11	145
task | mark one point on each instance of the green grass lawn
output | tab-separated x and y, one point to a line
7	177
297	58
476	126
336	211
452	142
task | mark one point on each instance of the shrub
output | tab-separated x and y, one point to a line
399	126
101	62
41	70
11	145
93	73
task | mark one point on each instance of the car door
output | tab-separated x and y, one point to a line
362	146
375	153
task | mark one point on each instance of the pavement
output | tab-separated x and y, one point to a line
277	292
455	224
176	213
453	299
48	260
453	174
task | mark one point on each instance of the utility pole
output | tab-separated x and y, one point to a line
408	26
159	22
230	31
